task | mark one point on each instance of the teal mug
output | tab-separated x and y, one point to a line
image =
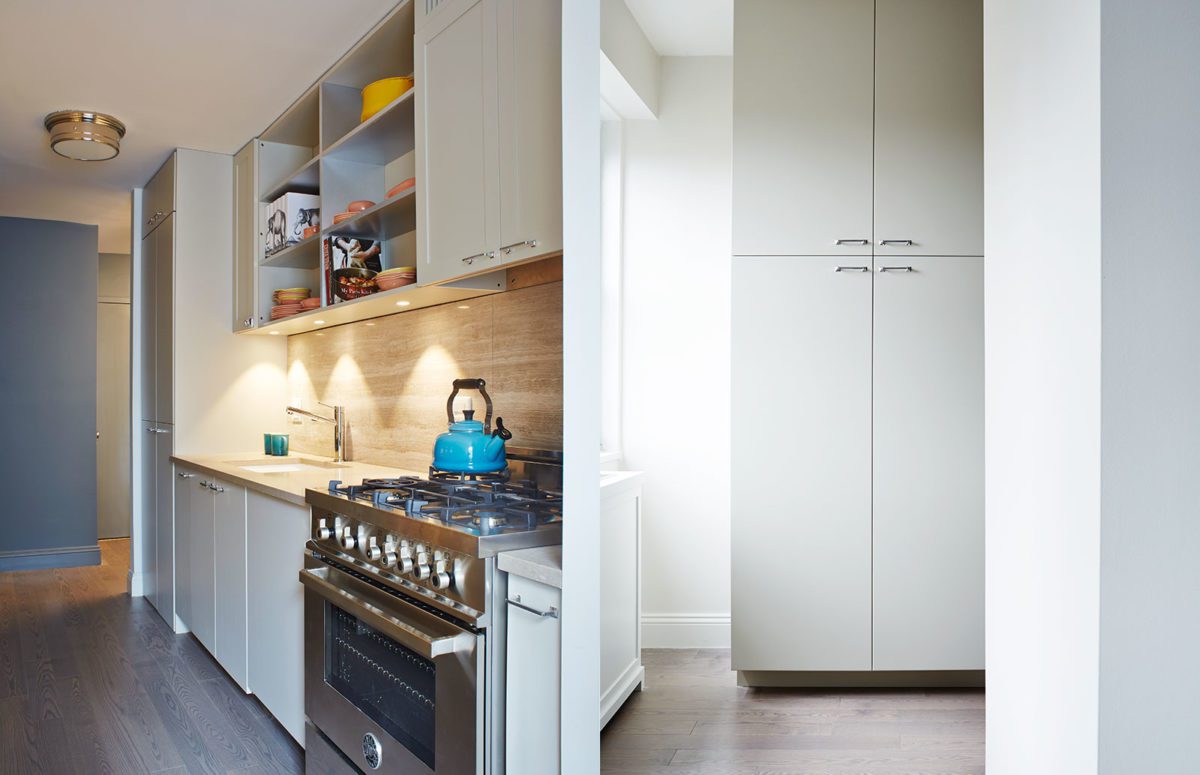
279	444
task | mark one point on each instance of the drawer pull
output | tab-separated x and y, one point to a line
895	269
897	242
515	601
853	242
852	269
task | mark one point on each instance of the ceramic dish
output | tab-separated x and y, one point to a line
358	205
401	188
378	95
343	216
395	281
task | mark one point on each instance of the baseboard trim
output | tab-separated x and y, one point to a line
612	700
41	559
135	584
850	679
686	631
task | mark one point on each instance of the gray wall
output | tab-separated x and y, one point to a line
1150	522
48	393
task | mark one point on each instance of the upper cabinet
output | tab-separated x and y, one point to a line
858	127
802	104
488	135
158	198
929	128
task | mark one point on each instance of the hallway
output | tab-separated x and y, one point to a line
92	681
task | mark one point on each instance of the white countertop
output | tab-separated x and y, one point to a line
541	563
285	485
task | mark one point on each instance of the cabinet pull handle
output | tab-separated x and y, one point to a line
901	242
485	254
204	484
185	475
853	242
852	269
895	269
531	243
515	601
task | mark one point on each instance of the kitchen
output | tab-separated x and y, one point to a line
432	254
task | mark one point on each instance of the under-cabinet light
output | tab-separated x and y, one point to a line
403	303
318	322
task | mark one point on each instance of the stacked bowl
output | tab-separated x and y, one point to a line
396	277
289	301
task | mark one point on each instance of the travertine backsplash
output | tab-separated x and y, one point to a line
393	374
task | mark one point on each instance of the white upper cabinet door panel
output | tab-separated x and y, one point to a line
457	187
929	127
802	127
928	538
164	320
801	551
530	120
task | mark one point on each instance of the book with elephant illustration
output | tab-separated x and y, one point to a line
291	218
350	266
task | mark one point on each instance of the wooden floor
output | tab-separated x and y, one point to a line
693	718
93	681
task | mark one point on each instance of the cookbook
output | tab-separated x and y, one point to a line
350	265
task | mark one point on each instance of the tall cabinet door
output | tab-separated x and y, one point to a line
147	342
457	190
928	538
245	229
530	120
802	129
164	518
801	464
929	127
147	493
164	319
203	571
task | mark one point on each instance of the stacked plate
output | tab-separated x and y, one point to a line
396	277
289	301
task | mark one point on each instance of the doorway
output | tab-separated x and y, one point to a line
113	502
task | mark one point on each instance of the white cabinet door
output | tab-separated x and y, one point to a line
278	531
929	127
801	464
147	340
802	129
148	549
229	548
457	188
530	121
164	319
531	745
621	668
201	529
185	486
928	537
245	232
164	517
158	197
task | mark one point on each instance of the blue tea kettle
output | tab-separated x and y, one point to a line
471	447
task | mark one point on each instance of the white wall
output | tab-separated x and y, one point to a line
629	65
1042	299
676	424
1150	573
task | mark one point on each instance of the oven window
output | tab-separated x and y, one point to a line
390	683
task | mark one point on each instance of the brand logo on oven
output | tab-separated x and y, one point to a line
372	752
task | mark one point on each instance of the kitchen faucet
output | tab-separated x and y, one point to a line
339	427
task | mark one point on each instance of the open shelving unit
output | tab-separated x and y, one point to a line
319	146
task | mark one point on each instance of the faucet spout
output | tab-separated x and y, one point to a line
339	426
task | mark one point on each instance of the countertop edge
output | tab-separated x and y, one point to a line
542	564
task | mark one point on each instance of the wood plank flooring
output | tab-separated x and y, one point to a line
693	719
93	681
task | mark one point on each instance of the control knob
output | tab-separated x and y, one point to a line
423	569
324	532
404	558
388	560
442	569
348	539
373	550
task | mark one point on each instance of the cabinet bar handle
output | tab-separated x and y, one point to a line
852	269
185	475
902	242
515	601
486	254
853	242
531	243
895	269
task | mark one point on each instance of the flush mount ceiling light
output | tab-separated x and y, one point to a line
83	135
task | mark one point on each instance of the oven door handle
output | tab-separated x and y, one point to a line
413	636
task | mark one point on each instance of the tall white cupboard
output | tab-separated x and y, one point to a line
857	341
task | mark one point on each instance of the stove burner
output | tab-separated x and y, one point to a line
480	503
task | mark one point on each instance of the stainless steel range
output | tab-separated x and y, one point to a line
405	615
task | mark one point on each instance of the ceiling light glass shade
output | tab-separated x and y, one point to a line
83	135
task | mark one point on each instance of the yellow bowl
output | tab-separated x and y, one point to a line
377	96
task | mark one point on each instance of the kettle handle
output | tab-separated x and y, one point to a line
471	384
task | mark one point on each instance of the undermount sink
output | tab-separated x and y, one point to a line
273	467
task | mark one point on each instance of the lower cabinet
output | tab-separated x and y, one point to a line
533	678
157	496
621	670
278	531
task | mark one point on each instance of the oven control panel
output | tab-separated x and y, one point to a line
420	562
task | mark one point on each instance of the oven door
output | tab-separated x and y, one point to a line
396	688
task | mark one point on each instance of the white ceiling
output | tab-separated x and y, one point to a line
207	75
686	28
